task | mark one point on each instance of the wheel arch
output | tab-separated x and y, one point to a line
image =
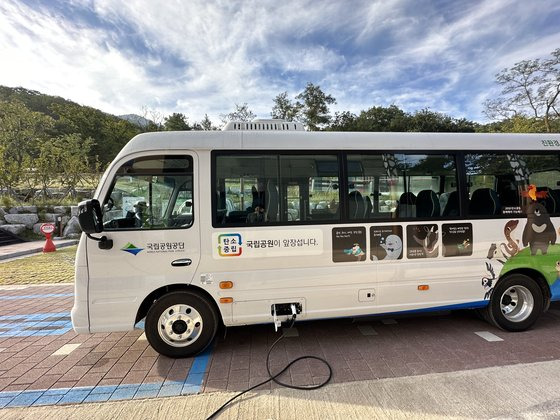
162	291
539	278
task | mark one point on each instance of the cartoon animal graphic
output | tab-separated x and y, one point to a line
356	251
464	246
430	242
392	246
510	248
496	253
539	232
558	268
488	281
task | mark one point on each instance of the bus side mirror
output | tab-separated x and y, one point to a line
90	216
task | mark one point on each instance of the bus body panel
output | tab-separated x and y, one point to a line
138	263
118	281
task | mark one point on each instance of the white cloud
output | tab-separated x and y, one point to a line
202	57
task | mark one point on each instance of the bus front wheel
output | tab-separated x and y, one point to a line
516	303
181	324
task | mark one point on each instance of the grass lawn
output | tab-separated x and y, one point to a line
53	267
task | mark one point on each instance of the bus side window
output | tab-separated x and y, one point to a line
146	191
400	186
276	188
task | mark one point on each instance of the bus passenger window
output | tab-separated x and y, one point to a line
259	189
505	184
151	193
401	186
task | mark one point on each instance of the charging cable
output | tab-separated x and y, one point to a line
275	376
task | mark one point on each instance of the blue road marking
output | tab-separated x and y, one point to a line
41	324
49	295
101	393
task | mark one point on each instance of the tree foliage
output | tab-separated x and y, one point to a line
393	118
21	133
315	107
177	122
285	109
240	113
531	89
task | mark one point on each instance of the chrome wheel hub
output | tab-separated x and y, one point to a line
517	303
180	325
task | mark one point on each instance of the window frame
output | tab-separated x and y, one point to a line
174	193
458	170
461	172
465	190
216	153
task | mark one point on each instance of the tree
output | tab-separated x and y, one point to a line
531	88
74	161
21	131
433	122
177	122
241	113
206	124
285	109
379	118
315	107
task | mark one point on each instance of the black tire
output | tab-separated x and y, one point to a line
524	311
194	309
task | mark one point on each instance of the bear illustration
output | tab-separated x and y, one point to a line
539	232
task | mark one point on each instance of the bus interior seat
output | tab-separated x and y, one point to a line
451	208
369	208
507	192
551	201
271	201
484	201
443	198
406	206
427	204
237	216
356	205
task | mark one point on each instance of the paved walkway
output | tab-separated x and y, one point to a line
29	248
522	391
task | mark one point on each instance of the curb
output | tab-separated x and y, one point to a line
36	250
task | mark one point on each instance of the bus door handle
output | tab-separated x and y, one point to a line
182	262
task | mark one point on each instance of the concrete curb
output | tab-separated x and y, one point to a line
36	250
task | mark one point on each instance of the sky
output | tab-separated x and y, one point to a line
201	57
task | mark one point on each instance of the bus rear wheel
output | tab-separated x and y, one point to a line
181	324
516	303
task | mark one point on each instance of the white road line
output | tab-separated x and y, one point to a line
488	336
66	349
367	329
389	321
142	337
290	332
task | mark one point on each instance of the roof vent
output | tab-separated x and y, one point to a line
263	125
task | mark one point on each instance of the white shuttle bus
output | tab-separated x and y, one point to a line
263	221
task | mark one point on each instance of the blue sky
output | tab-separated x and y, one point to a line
199	57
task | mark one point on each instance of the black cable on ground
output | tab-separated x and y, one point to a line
273	377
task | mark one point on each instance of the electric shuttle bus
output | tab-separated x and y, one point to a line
264	221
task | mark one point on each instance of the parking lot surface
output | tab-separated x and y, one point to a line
43	362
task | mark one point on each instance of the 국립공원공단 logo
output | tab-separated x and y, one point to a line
230	245
131	248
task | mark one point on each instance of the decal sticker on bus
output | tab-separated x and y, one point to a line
272	243
349	244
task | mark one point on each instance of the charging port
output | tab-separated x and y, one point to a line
285	308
